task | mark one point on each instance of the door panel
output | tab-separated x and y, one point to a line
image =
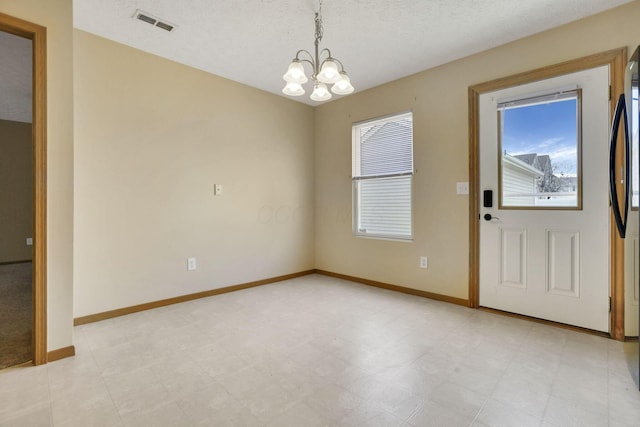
563	259
513	257
549	263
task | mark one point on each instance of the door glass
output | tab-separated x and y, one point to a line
539	160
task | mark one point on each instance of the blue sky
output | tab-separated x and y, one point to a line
543	129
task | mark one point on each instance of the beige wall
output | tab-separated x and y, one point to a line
153	141
56	16
152	137
16	190
438	98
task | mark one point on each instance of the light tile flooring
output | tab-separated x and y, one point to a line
317	351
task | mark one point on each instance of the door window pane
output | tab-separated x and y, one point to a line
540	152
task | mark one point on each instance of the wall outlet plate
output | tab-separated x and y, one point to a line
423	262
191	264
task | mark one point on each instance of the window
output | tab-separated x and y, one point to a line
540	152
382	177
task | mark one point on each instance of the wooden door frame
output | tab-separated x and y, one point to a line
38	35
616	60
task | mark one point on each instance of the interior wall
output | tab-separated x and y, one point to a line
152	137
56	16
439	100
16	190
272	211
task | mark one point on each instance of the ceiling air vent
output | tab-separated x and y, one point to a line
164	26
150	19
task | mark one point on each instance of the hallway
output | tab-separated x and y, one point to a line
16	317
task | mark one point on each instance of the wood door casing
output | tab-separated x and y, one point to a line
615	59
38	35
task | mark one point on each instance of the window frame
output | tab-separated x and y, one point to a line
357	178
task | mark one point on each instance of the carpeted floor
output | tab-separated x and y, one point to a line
15	314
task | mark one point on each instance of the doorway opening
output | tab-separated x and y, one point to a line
23	198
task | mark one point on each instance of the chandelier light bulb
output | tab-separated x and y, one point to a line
293	89
295	73
343	85
329	72
320	92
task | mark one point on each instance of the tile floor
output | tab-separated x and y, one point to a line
317	351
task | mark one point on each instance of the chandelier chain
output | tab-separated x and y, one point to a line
319	29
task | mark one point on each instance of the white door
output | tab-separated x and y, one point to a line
544	251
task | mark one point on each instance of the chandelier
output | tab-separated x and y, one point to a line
324	71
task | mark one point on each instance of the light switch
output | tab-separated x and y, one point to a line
462	188
29	241
217	189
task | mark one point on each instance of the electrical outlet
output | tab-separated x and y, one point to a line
29	241
423	262
191	264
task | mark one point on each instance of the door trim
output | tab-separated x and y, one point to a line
616	60
38	35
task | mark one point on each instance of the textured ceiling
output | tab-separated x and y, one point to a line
253	41
15	78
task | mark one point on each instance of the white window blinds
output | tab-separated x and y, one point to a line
382	177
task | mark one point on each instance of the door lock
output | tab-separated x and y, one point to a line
489	217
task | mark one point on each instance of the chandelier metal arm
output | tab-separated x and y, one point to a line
308	61
311	58
311	61
336	60
303	51
328	53
329	58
